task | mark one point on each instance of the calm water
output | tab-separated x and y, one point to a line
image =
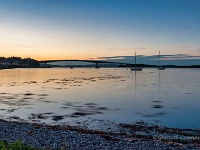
59	95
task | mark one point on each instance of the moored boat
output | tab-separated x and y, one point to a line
136	68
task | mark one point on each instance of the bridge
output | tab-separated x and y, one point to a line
90	61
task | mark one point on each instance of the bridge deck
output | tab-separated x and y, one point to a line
91	61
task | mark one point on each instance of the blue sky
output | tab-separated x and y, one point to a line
70	29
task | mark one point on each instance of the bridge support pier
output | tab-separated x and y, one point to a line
96	65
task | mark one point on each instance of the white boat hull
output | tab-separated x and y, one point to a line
136	69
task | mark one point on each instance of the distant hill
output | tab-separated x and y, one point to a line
18	62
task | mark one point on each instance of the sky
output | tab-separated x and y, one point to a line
85	29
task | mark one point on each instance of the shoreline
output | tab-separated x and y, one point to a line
129	136
126	67
1	67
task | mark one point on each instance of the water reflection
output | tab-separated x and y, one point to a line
61	95
157	104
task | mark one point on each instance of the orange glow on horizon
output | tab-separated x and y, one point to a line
49	56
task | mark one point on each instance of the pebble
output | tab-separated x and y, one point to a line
45	138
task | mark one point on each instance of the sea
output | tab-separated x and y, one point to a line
85	96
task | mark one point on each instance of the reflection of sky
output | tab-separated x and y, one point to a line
91	28
127	96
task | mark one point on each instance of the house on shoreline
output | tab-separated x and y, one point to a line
18	62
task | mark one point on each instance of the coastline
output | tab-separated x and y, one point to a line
141	65
5	67
130	136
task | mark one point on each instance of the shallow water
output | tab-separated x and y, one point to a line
169	97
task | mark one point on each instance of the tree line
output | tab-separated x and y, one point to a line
18	62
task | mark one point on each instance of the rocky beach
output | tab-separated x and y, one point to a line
135	136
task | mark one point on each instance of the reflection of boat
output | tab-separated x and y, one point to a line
136	68
159	67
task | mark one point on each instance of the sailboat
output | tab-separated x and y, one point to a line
136	68
159	66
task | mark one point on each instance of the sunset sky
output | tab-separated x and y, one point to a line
83	29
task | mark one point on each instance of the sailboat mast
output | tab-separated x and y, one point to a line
135	59
159	59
